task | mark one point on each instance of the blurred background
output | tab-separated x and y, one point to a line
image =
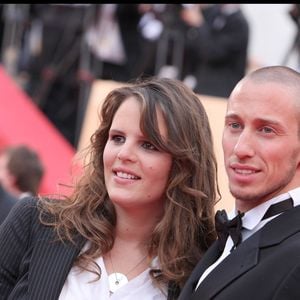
56	59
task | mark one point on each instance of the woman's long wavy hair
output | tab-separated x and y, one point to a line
186	229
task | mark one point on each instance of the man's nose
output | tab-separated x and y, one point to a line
244	146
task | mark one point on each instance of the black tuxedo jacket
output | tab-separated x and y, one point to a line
265	266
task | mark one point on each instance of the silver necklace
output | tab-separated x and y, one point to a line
116	279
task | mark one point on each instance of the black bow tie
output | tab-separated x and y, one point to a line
225	227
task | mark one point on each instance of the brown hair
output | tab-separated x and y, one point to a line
187	228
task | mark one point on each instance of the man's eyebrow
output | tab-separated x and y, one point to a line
232	115
264	120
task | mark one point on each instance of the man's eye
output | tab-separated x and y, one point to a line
235	125
267	130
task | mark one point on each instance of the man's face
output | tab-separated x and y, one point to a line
261	142
6	178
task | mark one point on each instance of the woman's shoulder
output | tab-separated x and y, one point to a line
24	206
24	215
30	205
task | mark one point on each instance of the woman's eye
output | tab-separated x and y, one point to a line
118	139
148	146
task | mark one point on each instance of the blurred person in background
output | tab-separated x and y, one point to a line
216	56
115	41
163	40
7	201
21	170
50	57
294	13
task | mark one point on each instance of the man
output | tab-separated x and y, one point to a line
216	47
261	143
7	201
21	170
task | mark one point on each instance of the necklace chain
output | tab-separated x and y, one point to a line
134	267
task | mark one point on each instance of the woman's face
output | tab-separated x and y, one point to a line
135	172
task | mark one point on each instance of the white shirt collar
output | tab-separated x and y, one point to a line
253	217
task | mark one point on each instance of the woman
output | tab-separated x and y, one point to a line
141	215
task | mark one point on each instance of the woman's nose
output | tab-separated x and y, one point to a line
127	152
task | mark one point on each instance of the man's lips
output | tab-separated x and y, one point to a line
243	169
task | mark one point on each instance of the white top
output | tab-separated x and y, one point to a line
79	286
251	223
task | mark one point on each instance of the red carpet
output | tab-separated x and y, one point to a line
21	122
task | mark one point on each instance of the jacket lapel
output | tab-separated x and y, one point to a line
234	265
281	227
209	258
50	264
246	256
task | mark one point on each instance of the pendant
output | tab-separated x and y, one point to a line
116	280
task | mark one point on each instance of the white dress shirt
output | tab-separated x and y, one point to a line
79	285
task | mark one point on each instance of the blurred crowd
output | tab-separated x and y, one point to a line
56	51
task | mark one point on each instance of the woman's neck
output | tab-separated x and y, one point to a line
136	225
